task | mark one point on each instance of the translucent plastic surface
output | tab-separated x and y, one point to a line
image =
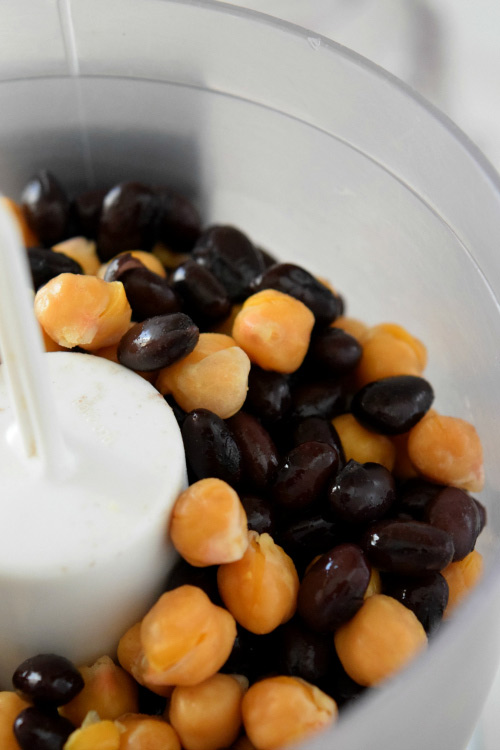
322	159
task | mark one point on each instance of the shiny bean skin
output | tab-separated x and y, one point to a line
127	220
231	257
148	294
269	396
46	208
303	475
321	399
335	351
201	291
48	679
319	430
414	495
259	457
409	548
119	265
299	283
261	516
45	265
361	492
211	449
158	342
305	538
426	596
393	405
178	221
305	653
35	729
456	512
333	588
86	212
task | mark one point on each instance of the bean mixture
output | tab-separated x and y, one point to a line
328	527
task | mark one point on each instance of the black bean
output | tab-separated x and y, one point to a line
303	475
305	538
259	457
148	294
340	686
260	514
393	405
48	679
333	588
127	220
211	449
178	221
414	495
120	264
427	596
179	413
86	212
299	283
184	574
254	656
361	492
321	399
231	257
408	547
158	342
46	264
456	512
202	293
305	653
335	351
319	430
269	260
268	394
150	703
483	516
35	729
46	208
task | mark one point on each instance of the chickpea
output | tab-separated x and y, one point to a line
29	237
222	536
143	732
447	450
274	329
11	705
98	735
185	638
388	349
84	311
381	638
168	258
352	326
207	716
214	376
83	251
108	690
374	584
261	589
461	577
131	658
279	711
363	445
150	261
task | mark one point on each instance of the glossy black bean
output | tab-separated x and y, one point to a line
322	399
231	257
334	351
340	686
48	679
211	449
259	457
148	294
119	265
393	405
261	516
46	208
150	703
299	283
46	264
201	292
35	729
361	493
184	574
269	260
158	342
268	394
414	495
305	538
483	516
319	430
426	596
408	547
303	475
254	656
178	221
456	512
86	212
333	588
305	653
179	413
127	220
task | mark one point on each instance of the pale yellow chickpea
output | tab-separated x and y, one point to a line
150	261
143	732
389	349
29	237
11	705
131	657
83	251
98	735
222	535
280	711
261	589
461	577
363	445
207	716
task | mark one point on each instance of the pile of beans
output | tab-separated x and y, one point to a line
328	526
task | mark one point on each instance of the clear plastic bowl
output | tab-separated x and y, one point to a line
325	160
